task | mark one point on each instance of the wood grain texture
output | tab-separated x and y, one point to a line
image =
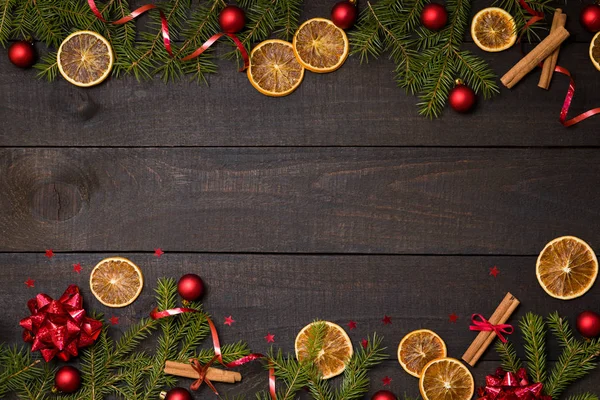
279	294
308	200
358	105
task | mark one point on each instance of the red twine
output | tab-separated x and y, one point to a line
165	32
59	327
481	324
155	314
537	16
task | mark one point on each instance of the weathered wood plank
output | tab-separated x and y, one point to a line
358	105
316	200
280	294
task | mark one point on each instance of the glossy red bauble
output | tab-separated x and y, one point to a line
232	19
190	287
67	379
590	17
22	54
344	14
588	324
434	16
178	393
384	395
462	98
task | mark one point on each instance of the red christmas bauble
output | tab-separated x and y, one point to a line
190	287
21	54
384	395
590	17
67	379
462	98
434	16
179	393
232	19
344	14
588	324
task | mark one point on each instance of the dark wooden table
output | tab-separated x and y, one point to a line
338	202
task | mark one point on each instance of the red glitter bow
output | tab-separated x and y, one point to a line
201	369
509	386
59	327
481	324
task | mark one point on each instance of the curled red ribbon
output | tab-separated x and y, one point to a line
155	314
537	16
165	32
481	324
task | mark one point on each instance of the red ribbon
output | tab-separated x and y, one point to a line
59	327
507	385
537	16
155	314
482	324
165	32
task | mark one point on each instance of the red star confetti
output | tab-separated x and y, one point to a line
229	321
494	271
386	380
453	318
270	338
114	320
49	253
352	325
364	343
158	252
77	268
30	282
386	320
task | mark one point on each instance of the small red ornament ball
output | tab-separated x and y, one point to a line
384	395
434	16
588	324
190	287
590	17
344	14
462	98
21	54
232	19
179	393
67	379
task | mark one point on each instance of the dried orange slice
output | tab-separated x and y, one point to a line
595	51
320	45
85	58
336	350
493	29
116	282
567	268
446	379
274	70
418	348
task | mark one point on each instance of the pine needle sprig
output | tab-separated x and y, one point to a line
356	381
577	360
293	375
522	17
18	369
583	396
534	335
508	355
6	15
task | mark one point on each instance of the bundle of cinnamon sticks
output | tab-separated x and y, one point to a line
546	52
185	370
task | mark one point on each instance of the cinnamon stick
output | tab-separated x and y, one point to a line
503	312
535	56
186	370
559	19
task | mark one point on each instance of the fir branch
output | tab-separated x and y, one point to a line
356	381
291	372
583	396
6	10
534	335
522	16
510	361
17	369
286	20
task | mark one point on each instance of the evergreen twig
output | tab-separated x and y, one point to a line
534	335
510	361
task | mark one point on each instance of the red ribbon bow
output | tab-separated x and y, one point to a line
202	369
59	327
509	386
484	325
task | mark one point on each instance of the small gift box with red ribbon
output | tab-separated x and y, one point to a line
510	386
59	327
